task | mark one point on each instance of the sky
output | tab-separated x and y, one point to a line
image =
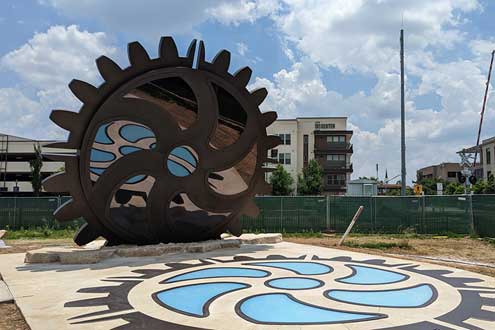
316	58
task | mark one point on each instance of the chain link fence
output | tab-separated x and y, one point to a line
459	214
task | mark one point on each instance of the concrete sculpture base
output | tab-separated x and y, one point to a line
96	251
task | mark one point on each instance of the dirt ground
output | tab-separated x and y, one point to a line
21	245
464	249
11	318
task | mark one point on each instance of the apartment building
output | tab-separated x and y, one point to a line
443	171
15	173
325	139
487	157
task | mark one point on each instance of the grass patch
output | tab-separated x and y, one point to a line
379	245
304	234
490	241
40	233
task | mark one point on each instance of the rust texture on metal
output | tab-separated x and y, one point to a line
167	150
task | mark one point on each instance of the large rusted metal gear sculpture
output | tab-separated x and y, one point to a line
167	151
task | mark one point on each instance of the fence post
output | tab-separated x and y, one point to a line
327	198
15	212
471	213
281	212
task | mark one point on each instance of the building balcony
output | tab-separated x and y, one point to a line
336	167
325	148
333	132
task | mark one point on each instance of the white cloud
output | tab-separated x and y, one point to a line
242	48
236	12
363	35
154	18
56	56
45	65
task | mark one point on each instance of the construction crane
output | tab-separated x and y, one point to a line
468	160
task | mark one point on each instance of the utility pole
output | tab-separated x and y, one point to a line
402	118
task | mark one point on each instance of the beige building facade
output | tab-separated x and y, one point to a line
325	139
487	158
443	171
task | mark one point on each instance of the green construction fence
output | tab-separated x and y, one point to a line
460	214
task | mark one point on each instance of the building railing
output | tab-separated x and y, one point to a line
333	146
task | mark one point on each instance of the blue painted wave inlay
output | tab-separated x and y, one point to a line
97	171
194	299
102	136
184	154
136	179
218	272
369	275
101	156
409	297
294	283
303	268
134	133
280	308
125	150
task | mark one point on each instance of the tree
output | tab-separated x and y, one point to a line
430	185
281	182
485	187
454	188
310	182
35	165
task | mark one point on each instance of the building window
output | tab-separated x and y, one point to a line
285	138
305	149
452	174
336	139
284	158
336	179
273	153
339	158
488	158
319	125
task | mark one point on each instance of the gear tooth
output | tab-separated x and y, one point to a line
85	92
272	141
235	227
65	119
58	145
109	70
190	53
168	49
259	95
263	188
201	55
222	61
242	76
268	118
137	54
251	209
85	235
67	211
56	183
59	157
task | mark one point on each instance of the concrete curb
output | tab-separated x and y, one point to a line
5	294
95	253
